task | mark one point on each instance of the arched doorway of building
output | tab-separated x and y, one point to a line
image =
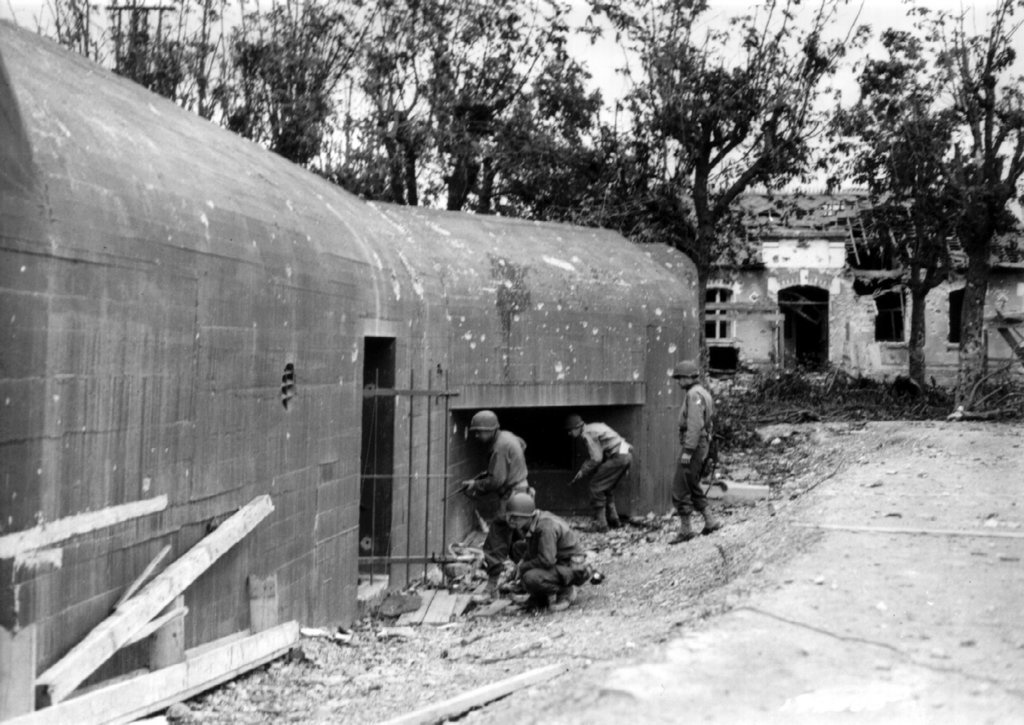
805	327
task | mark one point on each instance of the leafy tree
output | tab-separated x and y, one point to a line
973	71
717	111
899	142
483	60
285	66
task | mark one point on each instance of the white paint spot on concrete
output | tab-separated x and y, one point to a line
472	346
152	109
560	263
40	558
288	272
206	223
636	375
355	353
540	305
23	268
146	483
657	311
672	347
288	203
210	204
594	331
468	336
56	398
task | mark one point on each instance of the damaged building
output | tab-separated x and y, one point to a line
192	324
810	293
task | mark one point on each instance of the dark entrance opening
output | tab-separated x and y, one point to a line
377	453
805	327
552	455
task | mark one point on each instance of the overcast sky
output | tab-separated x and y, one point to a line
605	57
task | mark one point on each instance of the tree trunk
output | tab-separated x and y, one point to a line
917	364
973	344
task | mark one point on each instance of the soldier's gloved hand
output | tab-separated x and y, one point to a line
685	458
469	487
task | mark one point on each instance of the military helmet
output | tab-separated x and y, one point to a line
520	504
484	420
686	369
573	421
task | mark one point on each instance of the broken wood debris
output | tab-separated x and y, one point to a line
134	614
143	577
203	668
47	534
459	704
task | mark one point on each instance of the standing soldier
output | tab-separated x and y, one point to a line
553	563
505	475
696	426
609	457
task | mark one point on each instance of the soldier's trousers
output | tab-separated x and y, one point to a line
687	493
606	478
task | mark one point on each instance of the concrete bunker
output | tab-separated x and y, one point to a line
194	322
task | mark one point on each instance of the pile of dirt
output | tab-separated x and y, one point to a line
651	589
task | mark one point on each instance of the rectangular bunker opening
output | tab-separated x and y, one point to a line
551	454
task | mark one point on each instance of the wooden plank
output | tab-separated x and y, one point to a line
410	618
459	704
461	602
17	671
263	604
168	644
128	700
102	642
162	620
440	611
144	576
21	542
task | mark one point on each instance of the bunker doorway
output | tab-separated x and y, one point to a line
377	456
553	456
805	327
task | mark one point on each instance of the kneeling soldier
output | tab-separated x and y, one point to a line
552	562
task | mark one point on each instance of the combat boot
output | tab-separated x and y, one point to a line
614	522
686	531
711	522
565	597
600	524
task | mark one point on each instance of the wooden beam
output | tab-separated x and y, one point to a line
17	671
263	602
163	619
133	615
141	578
128	700
48	534
168	644
459	704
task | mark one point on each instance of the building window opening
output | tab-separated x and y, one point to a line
891	308
723	359
717	325
956	303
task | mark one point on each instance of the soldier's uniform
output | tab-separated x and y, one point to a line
609	458
553	562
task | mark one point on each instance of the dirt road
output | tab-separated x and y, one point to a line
872	622
881	584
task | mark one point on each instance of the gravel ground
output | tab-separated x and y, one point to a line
651	592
